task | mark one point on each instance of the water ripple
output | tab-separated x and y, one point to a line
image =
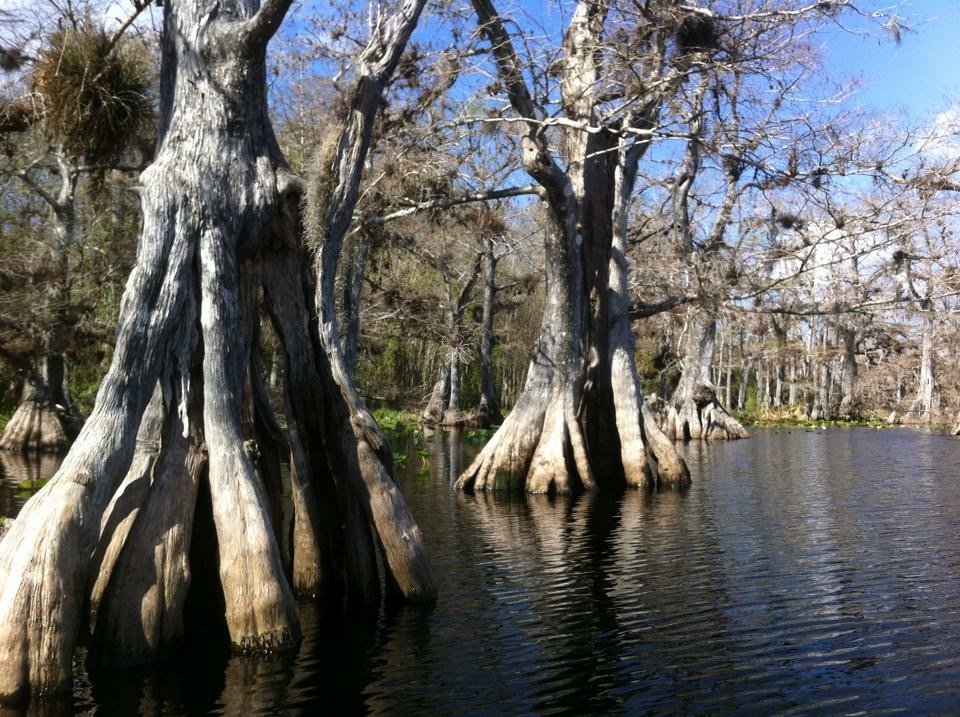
803	574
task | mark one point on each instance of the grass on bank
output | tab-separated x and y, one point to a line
792	416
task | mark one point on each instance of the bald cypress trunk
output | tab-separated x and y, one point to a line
922	408
432	413
46	419
219	205
695	413
572	427
848	373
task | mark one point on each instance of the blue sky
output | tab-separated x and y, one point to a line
921	76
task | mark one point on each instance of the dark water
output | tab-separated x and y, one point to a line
804	573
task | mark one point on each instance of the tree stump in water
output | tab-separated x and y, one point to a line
701	416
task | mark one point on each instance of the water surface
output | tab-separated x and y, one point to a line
805	572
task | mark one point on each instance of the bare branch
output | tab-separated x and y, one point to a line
446	202
262	26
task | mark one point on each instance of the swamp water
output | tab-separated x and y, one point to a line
805	572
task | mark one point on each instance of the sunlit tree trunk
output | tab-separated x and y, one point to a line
922	408
568	398
219	209
694	411
848	373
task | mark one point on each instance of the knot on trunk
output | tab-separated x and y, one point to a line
252	450
703	394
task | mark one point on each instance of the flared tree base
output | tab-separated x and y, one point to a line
702	417
39	427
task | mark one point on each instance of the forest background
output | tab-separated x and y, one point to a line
833	294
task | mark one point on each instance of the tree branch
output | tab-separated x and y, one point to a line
446	202
40	191
644	311
262	26
138	7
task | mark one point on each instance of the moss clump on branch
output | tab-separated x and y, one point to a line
697	33
17	115
96	93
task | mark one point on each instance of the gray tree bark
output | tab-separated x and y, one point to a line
922	408
333	196
821	400
432	413
568	400
352	296
44	419
218	207
848	373
695	413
